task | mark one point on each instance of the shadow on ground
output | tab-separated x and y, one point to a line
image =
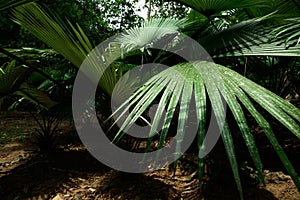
75	174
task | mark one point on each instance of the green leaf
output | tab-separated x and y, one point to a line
209	7
73	46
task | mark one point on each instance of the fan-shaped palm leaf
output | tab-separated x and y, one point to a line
176	85
289	33
257	23
150	32
239	36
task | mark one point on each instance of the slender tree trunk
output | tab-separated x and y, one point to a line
149	9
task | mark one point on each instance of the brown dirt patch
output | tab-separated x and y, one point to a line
73	173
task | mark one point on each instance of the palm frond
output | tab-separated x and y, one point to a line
209	7
239	36
272	49
149	32
289	33
7	4
174	82
28	52
73	46
66	39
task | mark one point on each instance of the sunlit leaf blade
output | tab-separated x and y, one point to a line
165	98
188	74
74	47
140	105
200	100
229	95
213	82
170	111
124	107
161	106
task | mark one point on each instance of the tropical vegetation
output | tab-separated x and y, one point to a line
254	45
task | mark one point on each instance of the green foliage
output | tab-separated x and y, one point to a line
33	18
180	80
12	83
6	4
199	79
166	9
49	121
229	30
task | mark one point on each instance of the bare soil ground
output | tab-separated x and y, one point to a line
72	173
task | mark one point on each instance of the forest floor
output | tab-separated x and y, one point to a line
73	173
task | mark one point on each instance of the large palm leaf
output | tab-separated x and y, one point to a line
71	42
192	79
66	39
